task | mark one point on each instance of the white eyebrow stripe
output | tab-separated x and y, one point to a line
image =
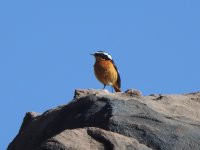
109	56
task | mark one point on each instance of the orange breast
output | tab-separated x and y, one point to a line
105	72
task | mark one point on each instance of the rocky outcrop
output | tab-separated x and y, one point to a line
97	119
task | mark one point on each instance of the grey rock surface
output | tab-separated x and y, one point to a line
97	119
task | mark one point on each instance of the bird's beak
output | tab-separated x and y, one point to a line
92	54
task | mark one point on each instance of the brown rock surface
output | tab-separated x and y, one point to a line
92	139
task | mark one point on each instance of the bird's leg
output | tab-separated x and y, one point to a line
104	86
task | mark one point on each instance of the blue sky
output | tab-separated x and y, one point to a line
45	47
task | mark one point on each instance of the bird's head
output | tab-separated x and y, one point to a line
101	55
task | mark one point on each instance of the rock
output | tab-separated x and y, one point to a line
102	120
29	117
91	138
133	92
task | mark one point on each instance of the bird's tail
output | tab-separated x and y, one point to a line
117	89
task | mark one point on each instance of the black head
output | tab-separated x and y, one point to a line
103	55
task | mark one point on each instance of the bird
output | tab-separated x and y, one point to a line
106	71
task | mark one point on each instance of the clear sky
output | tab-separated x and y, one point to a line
45	47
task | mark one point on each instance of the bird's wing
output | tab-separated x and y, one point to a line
119	78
